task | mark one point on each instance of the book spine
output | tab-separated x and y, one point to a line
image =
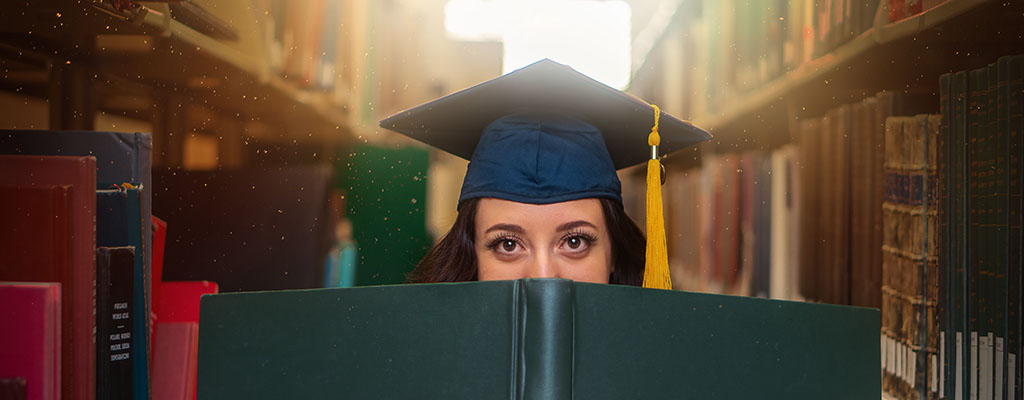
114	270
960	228
977	153
841	277
1015	116
545	327
943	144
929	381
1000	220
891	303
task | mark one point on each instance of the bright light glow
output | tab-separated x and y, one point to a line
591	36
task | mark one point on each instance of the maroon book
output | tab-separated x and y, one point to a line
43	240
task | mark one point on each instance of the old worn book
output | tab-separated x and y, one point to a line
531	339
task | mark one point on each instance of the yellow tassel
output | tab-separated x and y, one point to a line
656	275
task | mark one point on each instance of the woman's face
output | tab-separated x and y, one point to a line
561	240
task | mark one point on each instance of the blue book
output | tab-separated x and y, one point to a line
119	222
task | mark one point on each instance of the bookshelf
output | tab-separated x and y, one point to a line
882	33
142	63
858	227
905	54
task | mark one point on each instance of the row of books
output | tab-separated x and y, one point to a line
77	220
304	39
737	47
803	221
721	220
977	282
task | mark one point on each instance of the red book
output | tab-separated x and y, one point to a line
159	236
175	345
32	349
38	246
179	301
175	361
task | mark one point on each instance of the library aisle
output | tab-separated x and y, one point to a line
159	158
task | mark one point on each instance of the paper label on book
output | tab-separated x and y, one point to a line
999	369
891	364
974	366
942	364
989	353
959	360
982	344
899	360
1011	375
881	351
933	373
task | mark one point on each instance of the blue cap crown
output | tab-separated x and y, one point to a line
540	159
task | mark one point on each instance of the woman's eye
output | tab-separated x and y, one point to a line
508	245
578	243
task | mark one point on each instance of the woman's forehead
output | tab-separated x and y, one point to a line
492	211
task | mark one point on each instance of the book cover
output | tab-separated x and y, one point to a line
119	222
762	225
960	227
1015	130
156	279
532	339
784	219
31	351
977	172
27	249
115	270
840	168
180	301
810	180
175	359
944	225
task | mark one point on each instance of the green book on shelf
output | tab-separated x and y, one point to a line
531	339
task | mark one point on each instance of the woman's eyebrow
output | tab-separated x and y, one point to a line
574	224
506	227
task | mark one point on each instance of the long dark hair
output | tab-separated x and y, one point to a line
453	259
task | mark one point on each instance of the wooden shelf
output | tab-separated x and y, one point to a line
743	104
163	54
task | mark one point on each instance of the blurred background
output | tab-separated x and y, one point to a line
270	172
228	88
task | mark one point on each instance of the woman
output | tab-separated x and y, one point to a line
541	198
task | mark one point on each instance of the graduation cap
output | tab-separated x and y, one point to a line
546	133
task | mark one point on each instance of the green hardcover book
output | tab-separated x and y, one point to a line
976	102
1000	222
1016	212
531	339
990	233
959	230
